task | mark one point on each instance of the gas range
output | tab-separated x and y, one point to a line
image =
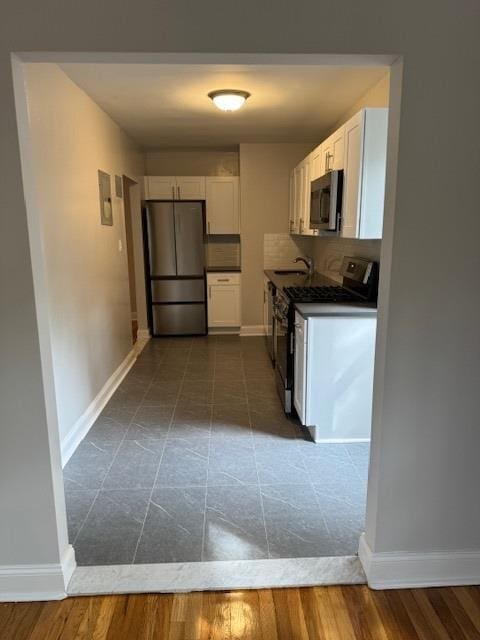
360	279
332	294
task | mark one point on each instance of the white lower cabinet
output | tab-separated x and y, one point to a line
299	391
223	302
333	376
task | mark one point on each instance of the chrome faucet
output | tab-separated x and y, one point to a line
308	262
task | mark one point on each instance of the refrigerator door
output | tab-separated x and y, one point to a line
179	319
161	239
178	290
189	233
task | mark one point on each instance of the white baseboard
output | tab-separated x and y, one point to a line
29	582
313	433
224	331
143	334
86	420
403	570
252	330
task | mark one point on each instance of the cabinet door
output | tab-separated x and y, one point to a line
337	145
317	163
190	188
298	190
222	201
300	368
332	151
364	180
352	177
160	188
291	203
306	231
223	305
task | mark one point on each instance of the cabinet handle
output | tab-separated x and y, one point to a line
173	193
178	191
301	225
223	279
208	227
210	291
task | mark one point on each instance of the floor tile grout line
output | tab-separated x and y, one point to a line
258	477
97	491
110	466
134	557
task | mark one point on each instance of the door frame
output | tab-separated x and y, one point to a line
393	63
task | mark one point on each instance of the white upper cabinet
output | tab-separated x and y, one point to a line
333	151
317	162
190	188
365	158
300	199
359	147
160	187
175	187
223	205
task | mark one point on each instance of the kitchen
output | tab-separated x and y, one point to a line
194	452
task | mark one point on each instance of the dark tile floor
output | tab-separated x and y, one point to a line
193	459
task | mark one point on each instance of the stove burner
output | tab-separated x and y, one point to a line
320	294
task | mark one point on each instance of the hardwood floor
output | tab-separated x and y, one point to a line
323	613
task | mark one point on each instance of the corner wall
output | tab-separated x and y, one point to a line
86	262
264	199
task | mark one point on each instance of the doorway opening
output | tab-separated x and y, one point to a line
191	457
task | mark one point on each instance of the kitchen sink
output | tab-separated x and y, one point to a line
290	272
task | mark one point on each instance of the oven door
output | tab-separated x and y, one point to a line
283	358
326	201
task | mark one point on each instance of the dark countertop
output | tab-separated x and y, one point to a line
350	309
223	269
310	309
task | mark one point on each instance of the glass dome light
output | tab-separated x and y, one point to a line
228	99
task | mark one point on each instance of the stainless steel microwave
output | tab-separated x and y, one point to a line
326	201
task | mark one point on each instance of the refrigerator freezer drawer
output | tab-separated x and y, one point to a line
179	319
178	290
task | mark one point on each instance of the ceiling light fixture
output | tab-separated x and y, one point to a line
228	99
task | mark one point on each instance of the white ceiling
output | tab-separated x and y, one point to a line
167	105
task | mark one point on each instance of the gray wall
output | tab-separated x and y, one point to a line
191	162
425	472
264	187
87	275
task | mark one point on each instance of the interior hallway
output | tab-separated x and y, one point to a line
193	459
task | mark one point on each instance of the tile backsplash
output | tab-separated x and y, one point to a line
223	251
280	249
329	253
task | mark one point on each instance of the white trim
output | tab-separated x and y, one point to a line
252	330
143	334
228	331
216	575
312	431
404	570
86	420
30	582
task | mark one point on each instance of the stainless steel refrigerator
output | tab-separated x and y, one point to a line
175	267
